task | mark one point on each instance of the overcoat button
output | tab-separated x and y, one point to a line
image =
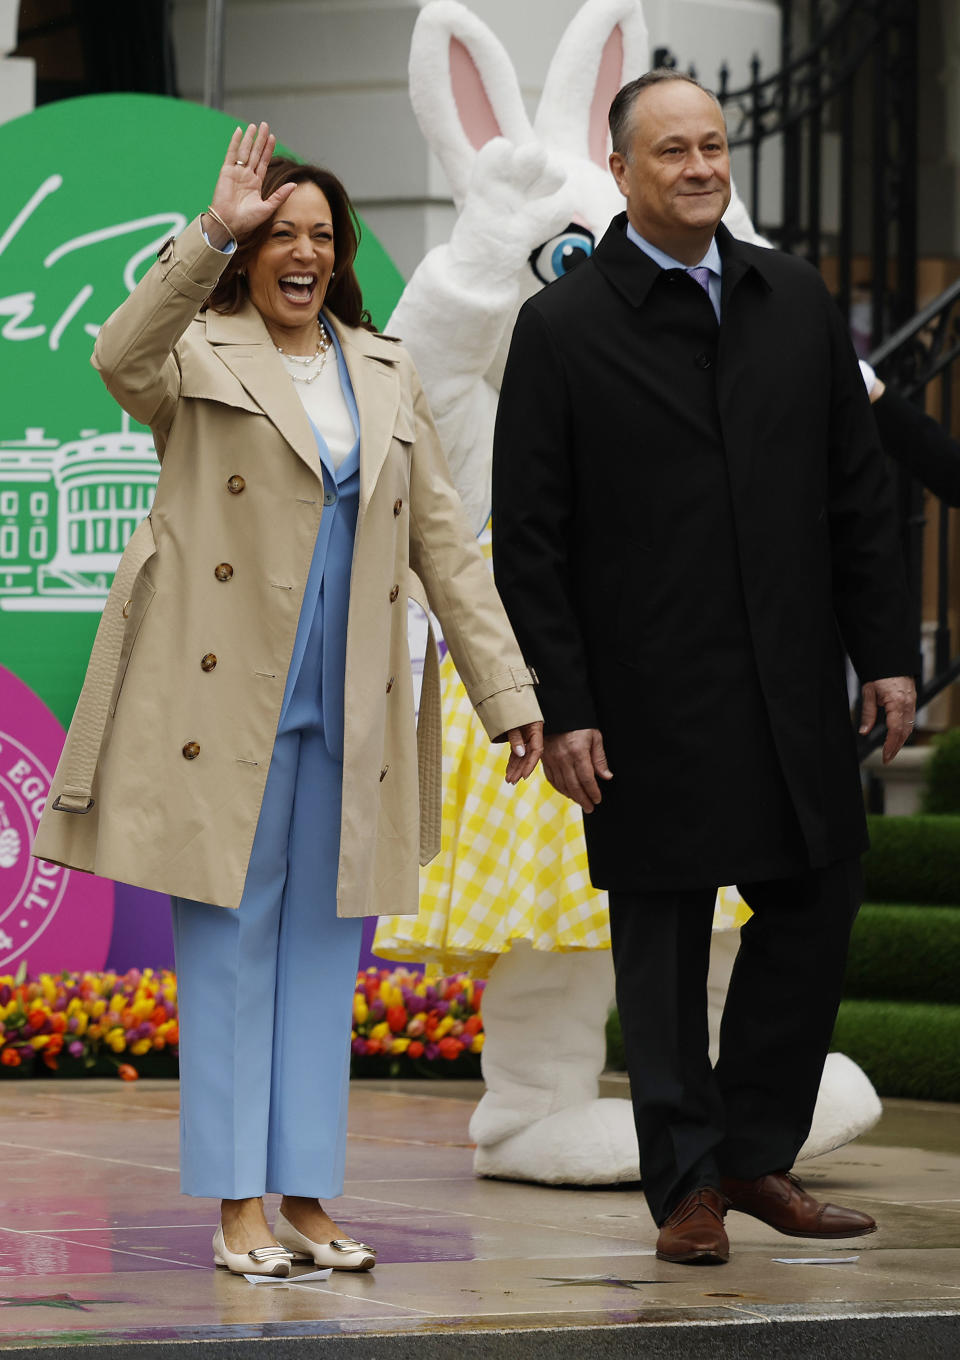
703	360
383	773
208	662
390	683
394	594
397	506
223	571
235	484
191	750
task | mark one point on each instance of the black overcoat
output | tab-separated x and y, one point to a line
691	521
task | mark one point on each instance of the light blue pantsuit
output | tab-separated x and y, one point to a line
265	991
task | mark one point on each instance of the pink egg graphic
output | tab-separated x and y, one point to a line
50	917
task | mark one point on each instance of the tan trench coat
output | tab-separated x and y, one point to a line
173	750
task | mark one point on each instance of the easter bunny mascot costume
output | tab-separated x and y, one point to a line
509	895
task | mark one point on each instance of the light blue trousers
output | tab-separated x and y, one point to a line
265	998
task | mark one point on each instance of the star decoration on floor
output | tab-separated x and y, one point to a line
595	1281
50	1301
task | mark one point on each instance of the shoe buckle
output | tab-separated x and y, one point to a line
262	1254
345	1244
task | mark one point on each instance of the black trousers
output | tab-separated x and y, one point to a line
751	1114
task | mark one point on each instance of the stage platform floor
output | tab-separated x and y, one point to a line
100	1255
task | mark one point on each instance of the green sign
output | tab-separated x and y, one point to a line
92	187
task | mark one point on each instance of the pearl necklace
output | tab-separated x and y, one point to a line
322	351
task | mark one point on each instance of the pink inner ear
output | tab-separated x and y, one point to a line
477	117
609	80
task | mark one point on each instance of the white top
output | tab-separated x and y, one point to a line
324	403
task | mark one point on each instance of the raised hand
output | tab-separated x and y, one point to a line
238	197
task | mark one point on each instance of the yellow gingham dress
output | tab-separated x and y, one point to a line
512	862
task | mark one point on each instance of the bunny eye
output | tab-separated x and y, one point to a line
562	253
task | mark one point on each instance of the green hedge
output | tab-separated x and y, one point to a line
905	1049
902	952
943	775
913	859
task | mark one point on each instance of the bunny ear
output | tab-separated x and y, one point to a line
463	88
605	45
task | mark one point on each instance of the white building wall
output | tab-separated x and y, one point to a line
17	74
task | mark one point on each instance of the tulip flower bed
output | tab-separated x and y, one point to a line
89	1024
109	1024
407	1023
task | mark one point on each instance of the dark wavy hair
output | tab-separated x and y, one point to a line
343	298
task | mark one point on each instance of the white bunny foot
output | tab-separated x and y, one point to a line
592	1144
847	1105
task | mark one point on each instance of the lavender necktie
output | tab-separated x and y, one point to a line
701	273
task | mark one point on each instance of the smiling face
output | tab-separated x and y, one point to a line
676	173
289	274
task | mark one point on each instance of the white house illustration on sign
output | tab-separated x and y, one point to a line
67	512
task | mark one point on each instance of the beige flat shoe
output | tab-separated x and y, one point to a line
343	1253
261	1261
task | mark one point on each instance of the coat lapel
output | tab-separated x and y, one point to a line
243	344
372	364
739	260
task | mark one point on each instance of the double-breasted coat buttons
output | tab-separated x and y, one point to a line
397	506
394	594
191	750
235	484
223	571
703	360
208	662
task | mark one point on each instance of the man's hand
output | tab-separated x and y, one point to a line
526	748
574	762
897	695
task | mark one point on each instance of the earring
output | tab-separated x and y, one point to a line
332	273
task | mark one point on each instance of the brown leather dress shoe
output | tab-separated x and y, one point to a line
693	1235
780	1200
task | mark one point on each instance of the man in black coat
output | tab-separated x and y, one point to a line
692	521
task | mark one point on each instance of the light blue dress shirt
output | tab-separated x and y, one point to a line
710	261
